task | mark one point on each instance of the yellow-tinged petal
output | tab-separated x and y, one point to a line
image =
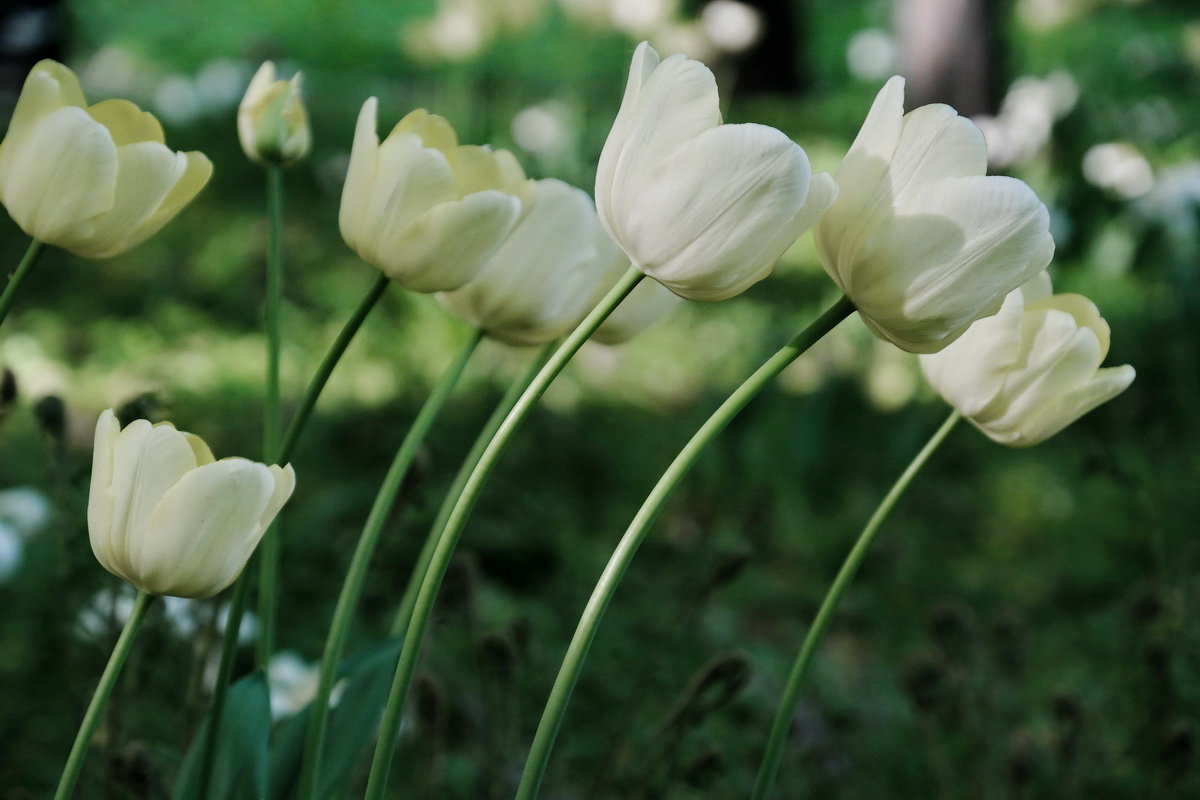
126	123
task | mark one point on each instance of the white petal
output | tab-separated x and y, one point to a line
448	245
100	498
718	213
204	528
645	60
935	143
677	103
61	177
360	176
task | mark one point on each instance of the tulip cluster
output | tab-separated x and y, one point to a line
936	257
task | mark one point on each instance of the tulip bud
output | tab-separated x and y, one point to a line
423	209
1026	373
920	240
272	121
704	208
95	180
166	516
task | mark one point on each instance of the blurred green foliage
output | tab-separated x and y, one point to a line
1025	628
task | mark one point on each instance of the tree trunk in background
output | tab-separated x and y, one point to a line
778	64
950	53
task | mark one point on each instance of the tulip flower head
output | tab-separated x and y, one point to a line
704	208
1026	373
551	271
92	179
920	239
426	211
272	121
166	516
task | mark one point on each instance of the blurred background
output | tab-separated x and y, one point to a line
1027	623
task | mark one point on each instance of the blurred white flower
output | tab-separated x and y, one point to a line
872	55
1175	200
1027	116
639	18
25	509
12	548
177	101
541	129
731	26
292	682
220	83
1118	167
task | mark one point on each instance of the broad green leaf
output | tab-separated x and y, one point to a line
360	694
240	764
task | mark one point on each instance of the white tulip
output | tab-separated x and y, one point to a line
272	121
1026	373
920	240
704	208
423	209
169	518
95	180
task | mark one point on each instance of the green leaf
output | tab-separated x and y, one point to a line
364	682
240	764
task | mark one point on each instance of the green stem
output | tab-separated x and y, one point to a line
321	376
339	629
91	718
233	624
635	534
18	277
432	582
237	605
404	610
268	562
783	715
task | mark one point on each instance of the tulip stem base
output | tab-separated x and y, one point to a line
635	534
405	608
783	715
268	562
339	629
28	261
95	709
448	538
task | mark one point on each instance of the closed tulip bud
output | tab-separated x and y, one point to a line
272	121
95	180
704	208
920	240
1026	373
426	211
169	518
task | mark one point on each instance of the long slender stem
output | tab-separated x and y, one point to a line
18	277
404	610
229	640
618	563
432	582
339	629
783	715
91	718
325	369
237	605
268	560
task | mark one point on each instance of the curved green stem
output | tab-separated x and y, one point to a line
339	629
783	715
635	534
18	277
268	560
325	369
440	562
404	610
91	718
